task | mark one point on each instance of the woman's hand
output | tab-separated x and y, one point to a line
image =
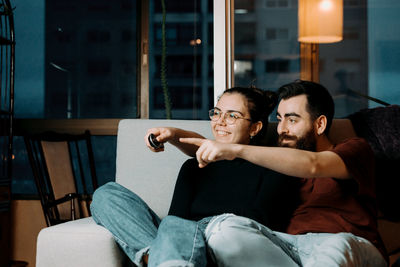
162	134
210	151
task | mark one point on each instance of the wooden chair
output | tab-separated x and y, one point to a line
59	163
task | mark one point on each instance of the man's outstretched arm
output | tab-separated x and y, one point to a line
289	161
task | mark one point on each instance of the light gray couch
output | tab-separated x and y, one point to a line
152	176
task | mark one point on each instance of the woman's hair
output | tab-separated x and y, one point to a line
260	104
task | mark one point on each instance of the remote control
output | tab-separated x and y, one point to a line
154	143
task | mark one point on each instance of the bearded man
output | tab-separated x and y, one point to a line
336	222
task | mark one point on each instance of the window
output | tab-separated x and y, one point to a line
244	36
271	34
277	3
76	59
243	67
364	60
244	71
75	67
283	3
96	36
180	96
266	56
277	65
96	50
271	3
189	46
351	3
244	6
189	67
277	34
350	33
178	6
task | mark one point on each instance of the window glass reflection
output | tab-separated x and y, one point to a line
363	63
266	47
189	58
76	59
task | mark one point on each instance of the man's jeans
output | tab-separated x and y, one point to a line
236	241
137	229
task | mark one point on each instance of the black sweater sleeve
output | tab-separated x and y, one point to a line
184	190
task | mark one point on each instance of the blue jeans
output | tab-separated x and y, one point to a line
236	241
137	229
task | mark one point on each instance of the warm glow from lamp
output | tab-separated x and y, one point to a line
320	21
326	5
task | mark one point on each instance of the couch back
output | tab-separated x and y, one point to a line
152	175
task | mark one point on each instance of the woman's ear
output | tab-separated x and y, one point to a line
255	128
320	124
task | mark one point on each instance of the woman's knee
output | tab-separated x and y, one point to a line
176	224
169	222
104	193
178	231
110	196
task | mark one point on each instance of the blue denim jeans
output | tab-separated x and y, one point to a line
236	241
137	229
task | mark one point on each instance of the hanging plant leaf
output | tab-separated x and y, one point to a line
164	83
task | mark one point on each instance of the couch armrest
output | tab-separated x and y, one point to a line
78	243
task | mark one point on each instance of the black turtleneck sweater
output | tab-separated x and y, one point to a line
238	187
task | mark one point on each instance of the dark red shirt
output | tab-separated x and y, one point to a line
331	205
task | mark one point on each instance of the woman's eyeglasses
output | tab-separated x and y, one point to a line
230	117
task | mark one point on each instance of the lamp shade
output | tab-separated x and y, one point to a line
320	21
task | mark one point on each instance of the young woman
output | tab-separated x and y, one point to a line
229	186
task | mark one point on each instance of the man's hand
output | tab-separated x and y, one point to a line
162	134
210	151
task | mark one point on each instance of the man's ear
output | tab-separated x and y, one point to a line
256	128
320	124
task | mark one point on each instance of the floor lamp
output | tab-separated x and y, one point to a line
320	22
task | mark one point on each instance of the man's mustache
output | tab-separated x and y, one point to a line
286	137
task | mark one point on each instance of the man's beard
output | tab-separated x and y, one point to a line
306	142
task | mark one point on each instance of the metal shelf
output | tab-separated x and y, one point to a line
5	41
7	61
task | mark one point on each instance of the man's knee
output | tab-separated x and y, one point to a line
345	249
341	242
227	234
239	241
229	225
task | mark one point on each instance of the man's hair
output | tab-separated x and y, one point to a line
319	100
